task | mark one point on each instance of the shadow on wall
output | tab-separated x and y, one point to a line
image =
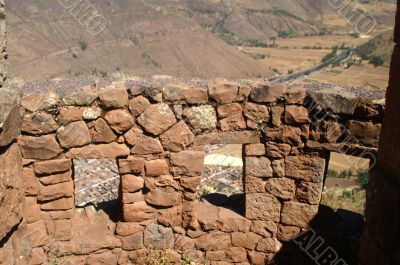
333	239
235	202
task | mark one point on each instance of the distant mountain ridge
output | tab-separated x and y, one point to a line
184	38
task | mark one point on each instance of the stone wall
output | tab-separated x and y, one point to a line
380	243
156	130
11	184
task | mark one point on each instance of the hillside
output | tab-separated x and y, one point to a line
183	38
381	46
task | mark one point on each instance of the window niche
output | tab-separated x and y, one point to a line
222	182
346	182
97	182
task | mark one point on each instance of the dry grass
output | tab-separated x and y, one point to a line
326	42
351	199
283	60
364	75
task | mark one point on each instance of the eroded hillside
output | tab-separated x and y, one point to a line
183	38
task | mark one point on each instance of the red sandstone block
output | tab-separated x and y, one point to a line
131	183
132	165
156	168
298	214
30	181
52	166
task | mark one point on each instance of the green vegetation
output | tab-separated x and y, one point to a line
207	11
323	32
344	174
286	33
330	55
83	44
285	13
276	11
158	257
351	199
335	71
363	179
256	43
276	70
258	56
376	61
315	47
101	73
355	35
135	40
226	35
149	60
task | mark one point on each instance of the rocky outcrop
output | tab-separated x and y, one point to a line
12	193
12	190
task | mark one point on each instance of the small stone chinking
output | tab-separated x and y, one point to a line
156	130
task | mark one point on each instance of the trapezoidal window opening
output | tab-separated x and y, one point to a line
346	182
222	182
97	182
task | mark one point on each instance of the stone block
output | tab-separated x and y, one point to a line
131	165
41	148
113	97
187	163
131	183
52	166
120	120
224	91
177	138
305	168
242	137
75	134
298	214
201	119
282	188
267	93
112	150
156	168
138	105
38	123
261	206
181	94
258	167
157	118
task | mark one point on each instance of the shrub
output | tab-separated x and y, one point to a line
83	44
256	43
156	257
330	55
363	179
376	61
286	33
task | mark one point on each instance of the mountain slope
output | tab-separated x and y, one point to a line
184	38
141	39
381	45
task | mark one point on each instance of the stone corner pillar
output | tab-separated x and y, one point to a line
380	244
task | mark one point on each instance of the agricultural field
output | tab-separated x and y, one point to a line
284	61
357	76
345	185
